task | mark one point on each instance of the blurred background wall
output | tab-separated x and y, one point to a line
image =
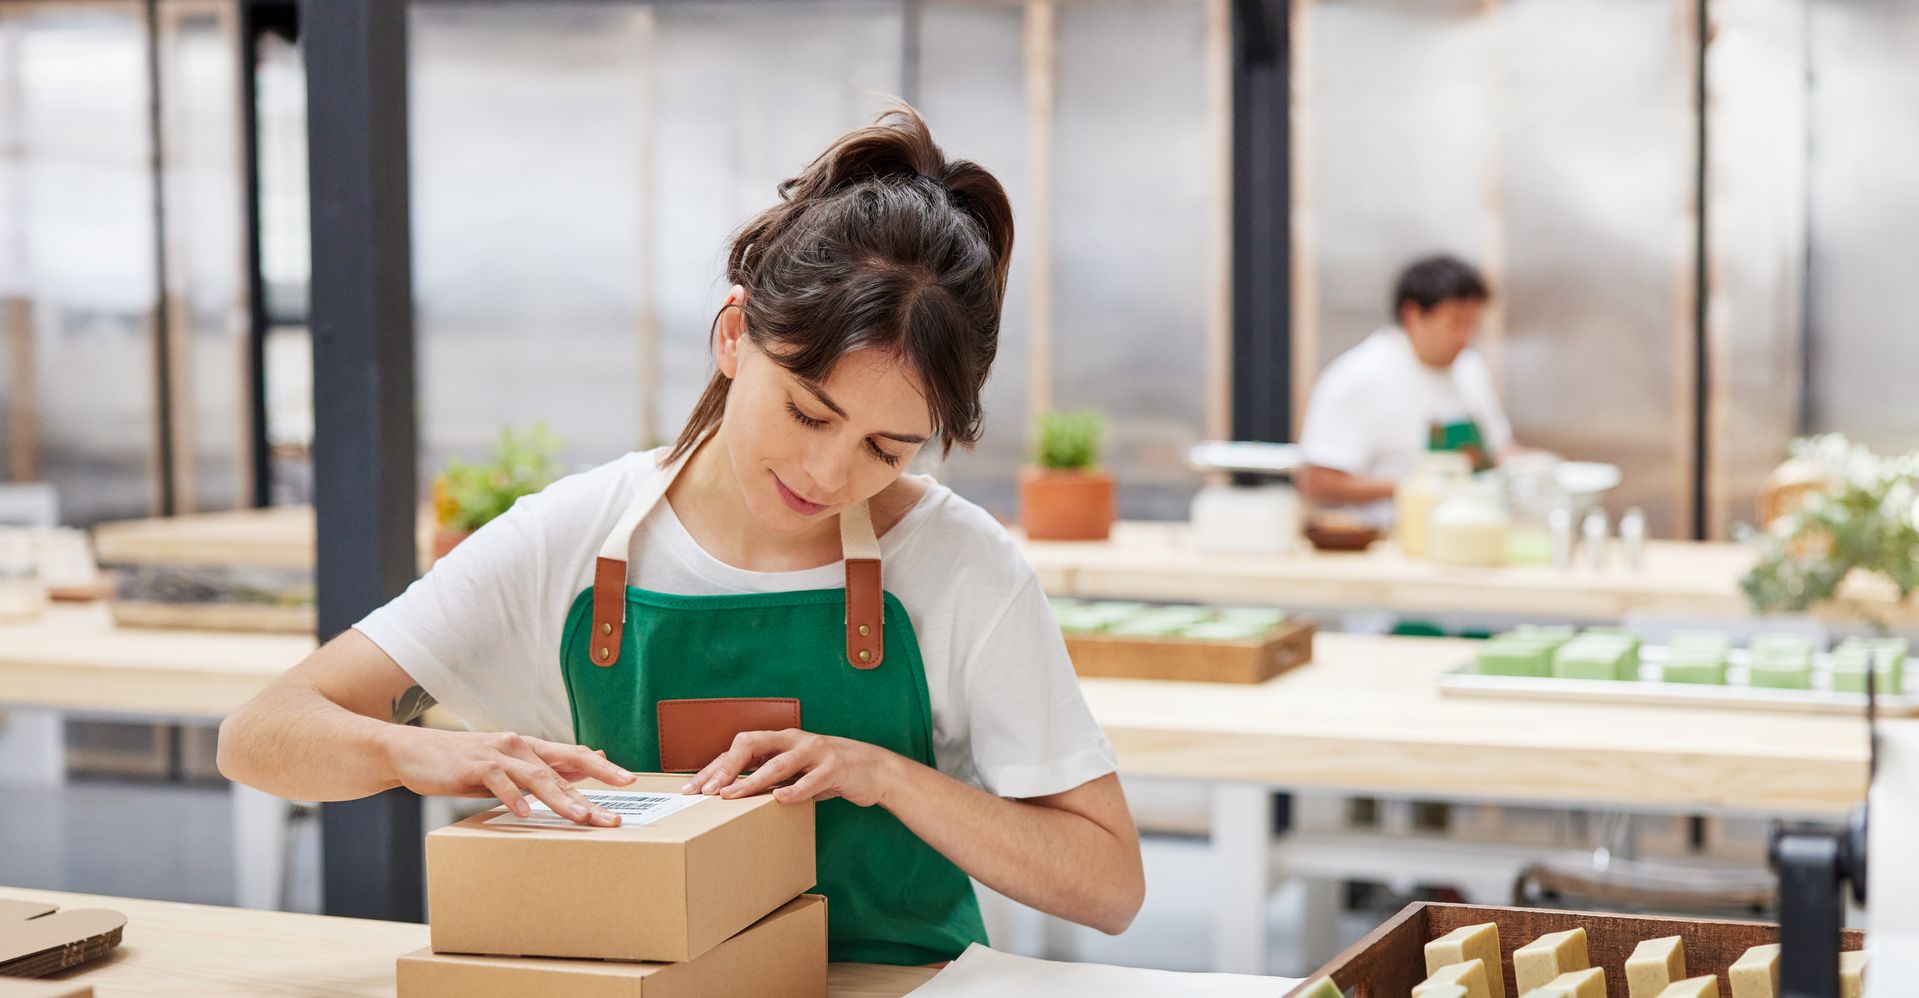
579	167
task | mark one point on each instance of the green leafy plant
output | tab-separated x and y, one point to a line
466	496
1868	521
1068	441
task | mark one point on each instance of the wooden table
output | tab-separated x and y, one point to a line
1364	717
1157	561
210	952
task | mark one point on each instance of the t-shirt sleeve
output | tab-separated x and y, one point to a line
468	631
1032	733
1338	430
1482	397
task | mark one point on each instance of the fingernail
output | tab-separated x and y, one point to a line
624	775
687	789
712	787
577	811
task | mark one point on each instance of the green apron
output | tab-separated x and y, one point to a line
891	897
1461	435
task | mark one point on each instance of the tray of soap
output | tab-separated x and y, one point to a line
1694	669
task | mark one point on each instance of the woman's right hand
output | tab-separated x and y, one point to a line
503	765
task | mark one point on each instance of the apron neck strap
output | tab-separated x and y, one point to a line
859	545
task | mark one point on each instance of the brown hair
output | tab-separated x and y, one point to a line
881	242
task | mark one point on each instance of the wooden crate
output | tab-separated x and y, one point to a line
1287	646
1389	961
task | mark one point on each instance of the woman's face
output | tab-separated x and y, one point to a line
803	452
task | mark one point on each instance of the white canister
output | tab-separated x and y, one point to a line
1247	519
1469	527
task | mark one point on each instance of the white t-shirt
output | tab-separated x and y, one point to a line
481	631
1374	407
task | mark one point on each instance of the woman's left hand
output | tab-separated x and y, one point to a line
822	767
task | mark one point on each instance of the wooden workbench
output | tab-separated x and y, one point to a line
1365	716
1157	561
200	951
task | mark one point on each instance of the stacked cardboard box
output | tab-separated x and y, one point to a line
703	901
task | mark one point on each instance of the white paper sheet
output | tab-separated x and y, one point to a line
635	807
1892	865
987	973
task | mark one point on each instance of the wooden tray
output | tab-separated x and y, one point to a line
1389	961
1465	680
257	618
1287	646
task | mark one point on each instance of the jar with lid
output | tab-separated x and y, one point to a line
1435	477
1469	526
1532	492
22	594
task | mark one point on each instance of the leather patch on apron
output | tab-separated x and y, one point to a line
695	732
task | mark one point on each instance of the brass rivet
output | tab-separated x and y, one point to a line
606	628
865	656
605	653
865	630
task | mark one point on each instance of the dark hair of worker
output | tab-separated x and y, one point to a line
880	242
1430	280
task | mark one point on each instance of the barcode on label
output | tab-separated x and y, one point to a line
633	807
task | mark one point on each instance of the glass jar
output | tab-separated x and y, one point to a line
1469	526
1435	477
1532	491
22	594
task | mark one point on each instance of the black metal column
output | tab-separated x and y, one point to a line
1262	222
364	433
257	17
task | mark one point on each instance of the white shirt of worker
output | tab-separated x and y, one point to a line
1374	407
481	632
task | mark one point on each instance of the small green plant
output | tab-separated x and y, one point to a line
1068	441
467	496
1868	522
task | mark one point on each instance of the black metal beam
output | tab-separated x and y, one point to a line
162	339
1702	282
257	17
1262	223
364	431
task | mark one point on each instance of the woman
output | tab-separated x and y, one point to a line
693	594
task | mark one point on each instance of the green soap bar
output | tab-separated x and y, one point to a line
1264	616
1702	669
1849	674
1061	604
1222	630
1506	657
1700	640
1081	625
1116	607
1769	676
1322	988
1596	658
1783	644
1186	614
1146	628
1562	632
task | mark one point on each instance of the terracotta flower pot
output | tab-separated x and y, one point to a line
1066	505
445	540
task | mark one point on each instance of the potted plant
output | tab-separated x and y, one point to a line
467	496
1064	496
1865	517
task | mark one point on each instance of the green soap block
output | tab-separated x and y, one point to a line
1770	676
1116	608
1702	669
1061	604
1507	657
1265	616
1782	644
1072	624
1715	641
1849	673
1562	632
1181	612
1597	657
1222	630
1322	988
1137	628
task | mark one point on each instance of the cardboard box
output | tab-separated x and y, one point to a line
667	891
781	956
